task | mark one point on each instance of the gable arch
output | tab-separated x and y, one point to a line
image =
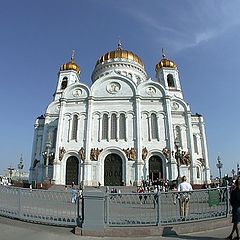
113	85
144	89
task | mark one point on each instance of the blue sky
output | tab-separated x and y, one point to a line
202	37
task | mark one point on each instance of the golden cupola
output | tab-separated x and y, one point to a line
70	65
165	63
120	53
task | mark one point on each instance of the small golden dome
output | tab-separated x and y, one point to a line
70	65
165	63
120	53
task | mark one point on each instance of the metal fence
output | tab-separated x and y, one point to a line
163	208
120	209
43	206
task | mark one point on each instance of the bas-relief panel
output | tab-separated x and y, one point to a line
112	88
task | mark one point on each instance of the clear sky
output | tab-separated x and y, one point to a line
202	37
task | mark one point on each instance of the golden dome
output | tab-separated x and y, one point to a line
165	63
70	65
120	53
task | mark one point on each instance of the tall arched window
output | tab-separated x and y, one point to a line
170	80
122	126
113	126
54	137
198	172
154	127
64	83
74	127
105	126
195	144
178	135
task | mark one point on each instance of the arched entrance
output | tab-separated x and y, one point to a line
155	168
113	170
72	167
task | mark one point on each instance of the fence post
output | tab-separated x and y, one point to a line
19	203
107	208
94	202
228	202
158	208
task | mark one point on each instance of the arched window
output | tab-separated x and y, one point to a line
74	127
105	126
170	80
195	144
122	126
54	137
154	127
64	83
178	135
198	172
113	126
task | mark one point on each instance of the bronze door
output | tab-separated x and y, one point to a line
72	170
155	168
113	170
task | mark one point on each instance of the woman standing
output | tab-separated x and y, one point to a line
235	202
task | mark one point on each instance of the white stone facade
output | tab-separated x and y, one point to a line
120	130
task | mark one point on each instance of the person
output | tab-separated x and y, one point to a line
140	191
184	187
235	203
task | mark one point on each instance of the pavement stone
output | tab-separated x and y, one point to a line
11	229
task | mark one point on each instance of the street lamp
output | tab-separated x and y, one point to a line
177	157
46	156
219	166
10	171
233	172
20	167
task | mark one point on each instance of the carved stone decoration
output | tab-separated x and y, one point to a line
185	158
56	110
81	153
175	106
166	152
144	153
131	154
61	153
151	91
94	154
113	87
77	92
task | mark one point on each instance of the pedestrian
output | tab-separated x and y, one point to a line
140	191
184	196
235	203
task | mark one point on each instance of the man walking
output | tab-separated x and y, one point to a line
184	187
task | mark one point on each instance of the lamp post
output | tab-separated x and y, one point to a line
46	155
177	157
20	167
219	166
10	171
233	172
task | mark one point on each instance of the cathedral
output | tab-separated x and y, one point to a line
121	130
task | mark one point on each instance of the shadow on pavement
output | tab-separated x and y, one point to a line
195	237
169	232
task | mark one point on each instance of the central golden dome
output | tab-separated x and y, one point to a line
120	53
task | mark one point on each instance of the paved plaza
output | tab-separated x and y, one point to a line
14	230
